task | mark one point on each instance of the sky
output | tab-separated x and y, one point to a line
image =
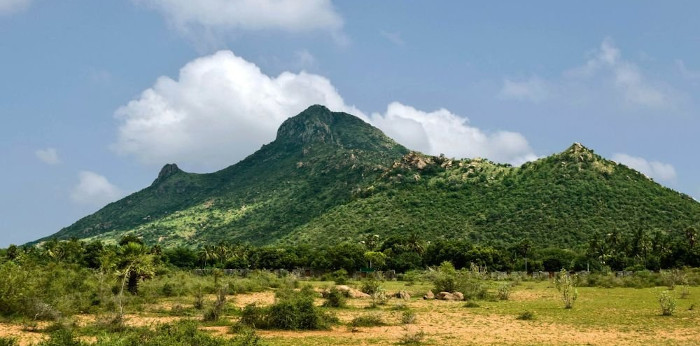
96	96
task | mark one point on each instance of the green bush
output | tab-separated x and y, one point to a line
526	316
504	291
408	317
565	284
371	320
291	311
182	333
335	299
370	285
8	341
667	303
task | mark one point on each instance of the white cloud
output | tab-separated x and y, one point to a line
393	37
625	77
94	189
13	6
212	18
444	132
223	108
533	90
652	169
48	156
686	72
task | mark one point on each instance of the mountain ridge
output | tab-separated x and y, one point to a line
330	177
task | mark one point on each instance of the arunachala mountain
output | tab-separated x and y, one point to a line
330	177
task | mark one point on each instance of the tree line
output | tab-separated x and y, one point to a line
650	250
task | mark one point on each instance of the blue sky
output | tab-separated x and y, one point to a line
97	95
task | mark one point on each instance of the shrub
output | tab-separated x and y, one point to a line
526	316
335	299
408	317
565	285
371	320
198	299
379	297
182	333
504	291
471	304
667	303
446	278
292	311
8	341
370	285
214	312
412	338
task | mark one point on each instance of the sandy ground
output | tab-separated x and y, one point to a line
442	323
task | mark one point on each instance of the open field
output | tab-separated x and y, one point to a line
601	316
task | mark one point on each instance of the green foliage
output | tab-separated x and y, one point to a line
291	311
214	313
526	316
182	333
408	317
565	284
370	285
4	341
471	304
504	291
667	303
331	180
368	320
335	299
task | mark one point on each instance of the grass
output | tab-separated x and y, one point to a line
630	312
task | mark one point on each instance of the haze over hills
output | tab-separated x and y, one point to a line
330	177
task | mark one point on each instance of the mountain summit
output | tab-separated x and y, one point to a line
316	162
330	177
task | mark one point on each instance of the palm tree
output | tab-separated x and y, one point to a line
136	264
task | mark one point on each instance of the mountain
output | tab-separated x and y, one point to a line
316	161
330	177
561	200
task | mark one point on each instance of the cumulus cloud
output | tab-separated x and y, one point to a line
13	6
443	132
533	90
393	37
652	169
220	109
626	78
223	108
48	156
217	17
95	190
686	72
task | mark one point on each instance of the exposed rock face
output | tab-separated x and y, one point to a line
429	295
454	296
351	292
167	171
402	295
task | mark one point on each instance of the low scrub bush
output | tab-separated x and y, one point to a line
504	291
408	317
667	303
291	311
371	320
565	284
526	316
335	299
8	341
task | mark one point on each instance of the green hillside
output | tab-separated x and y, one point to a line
562	200
318	158
330	177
